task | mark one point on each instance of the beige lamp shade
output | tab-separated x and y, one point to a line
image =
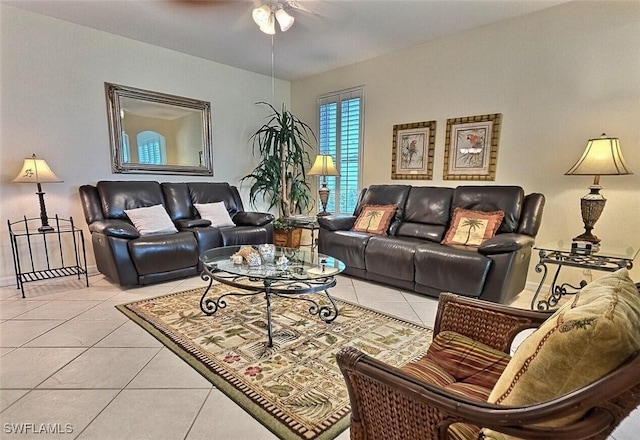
602	156
323	166
36	170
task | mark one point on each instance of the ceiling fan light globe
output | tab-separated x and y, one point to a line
261	15
269	27
284	20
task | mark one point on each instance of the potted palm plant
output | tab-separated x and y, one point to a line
283	145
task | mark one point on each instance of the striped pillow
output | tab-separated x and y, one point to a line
467	360
428	371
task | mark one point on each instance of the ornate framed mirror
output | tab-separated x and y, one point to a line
157	133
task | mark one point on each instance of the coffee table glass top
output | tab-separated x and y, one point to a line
301	265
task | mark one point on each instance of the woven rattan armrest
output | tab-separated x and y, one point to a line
495	325
387	403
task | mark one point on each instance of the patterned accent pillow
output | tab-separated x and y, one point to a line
585	339
375	219
216	213
453	357
467	360
472	228
151	220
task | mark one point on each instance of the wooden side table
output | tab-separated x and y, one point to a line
41	255
602	258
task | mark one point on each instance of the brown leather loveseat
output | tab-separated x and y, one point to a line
126	257
410	255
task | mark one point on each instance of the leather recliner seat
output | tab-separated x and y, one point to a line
411	257
126	257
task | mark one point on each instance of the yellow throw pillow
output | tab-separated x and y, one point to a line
472	228
581	342
375	219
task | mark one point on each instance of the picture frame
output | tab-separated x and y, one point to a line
471	147
413	151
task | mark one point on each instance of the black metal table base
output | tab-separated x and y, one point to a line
563	258
556	291
288	289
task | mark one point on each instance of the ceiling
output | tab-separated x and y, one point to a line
328	35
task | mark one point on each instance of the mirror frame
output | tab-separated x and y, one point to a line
114	92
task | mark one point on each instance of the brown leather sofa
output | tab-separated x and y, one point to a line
411	257
125	257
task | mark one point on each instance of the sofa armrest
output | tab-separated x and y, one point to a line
495	325
337	222
504	243
244	218
115	228
192	223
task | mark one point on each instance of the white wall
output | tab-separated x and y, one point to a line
559	77
53	104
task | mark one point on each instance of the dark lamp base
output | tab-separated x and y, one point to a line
323	214
45	228
587	236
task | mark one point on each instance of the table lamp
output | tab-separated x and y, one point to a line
323	166
602	156
35	170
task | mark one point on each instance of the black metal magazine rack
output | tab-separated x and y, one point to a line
45	255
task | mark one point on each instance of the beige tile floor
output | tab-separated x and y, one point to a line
68	357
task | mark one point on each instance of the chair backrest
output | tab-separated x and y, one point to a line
116	196
181	197
488	198
427	213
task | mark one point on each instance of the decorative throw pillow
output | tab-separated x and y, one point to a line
151	220
472	228
585	339
374	219
216	213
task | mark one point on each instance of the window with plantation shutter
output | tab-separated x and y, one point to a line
340	135
152	148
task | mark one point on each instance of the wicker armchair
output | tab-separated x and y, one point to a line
387	403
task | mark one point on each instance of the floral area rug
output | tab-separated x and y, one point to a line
294	388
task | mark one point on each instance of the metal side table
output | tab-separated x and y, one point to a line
602	258
310	223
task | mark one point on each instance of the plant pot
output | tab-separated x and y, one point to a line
290	238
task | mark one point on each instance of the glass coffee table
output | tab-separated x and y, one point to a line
299	273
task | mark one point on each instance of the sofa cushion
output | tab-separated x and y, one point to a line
374	219
116	196
457	363
582	341
243	235
472	228
426	213
346	246
467	360
455	358
163	253
449	269
488	198
210	192
151	220
462	366
385	195
215	212
391	257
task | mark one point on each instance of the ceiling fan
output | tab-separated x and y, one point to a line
266	15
